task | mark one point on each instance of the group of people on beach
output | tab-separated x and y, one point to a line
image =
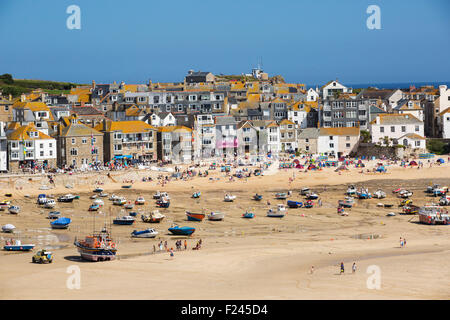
179	244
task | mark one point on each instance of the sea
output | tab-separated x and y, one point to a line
387	85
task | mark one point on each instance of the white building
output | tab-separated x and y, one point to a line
412	107
332	87
404	129
162	120
28	146
312	95
443	101
204	136
443	120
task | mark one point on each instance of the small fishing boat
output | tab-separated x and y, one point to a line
182	231
294	204
308	204
97	247
113	197
432	215
66	198
8	228
257	197
133	213
98	190
444	201
50	204
410	209
248	215
99	202
430	189
94	207
312	196
379	194
157	195
129	205
405	194
192	216
42	199
347	203
154	217
94	196
103	194
127	186
61	223
124	220
163	203
147	233
351	190
140	200
196	195
120	201
304	191
405	202
229	198
54	215
14	209
18	246
440	192
281	195
216	216
363	194
8	194
279	212
4	205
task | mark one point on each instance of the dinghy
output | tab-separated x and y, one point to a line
196	195
257	197
294	204
379	194
8	228
18	246
351	190
216	216
61	223
42	199
304	191
182	231
248	215
140	200
147	233
120	201
391	214
66	198
192	216
14	209
98	190
99	202
103	194
279	212
308	204
229	198
113	197
129	205
347	203
124	220
312	196
94	207
163	203
281	195
154	217
54	215
50	204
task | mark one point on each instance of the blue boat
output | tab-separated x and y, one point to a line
257	197
18	246
125	220
182	231
133	214
162	203
294	204
94	207
196	195
61	223
248	215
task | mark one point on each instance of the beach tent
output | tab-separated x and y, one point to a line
440	160
413	163
381	169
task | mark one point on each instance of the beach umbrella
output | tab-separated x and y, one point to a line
440	160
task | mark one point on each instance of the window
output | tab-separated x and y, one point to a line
73	140
347	138
307	148
50	152
73	152
14	145
94	140
83	140
28	144
117	147
331	137
347	145
41	145
41	153
14	155
417	128
417	143
381	129
403	128
50	145
392	129
306	140
331	145
95	151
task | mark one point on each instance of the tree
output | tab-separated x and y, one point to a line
7	78
366	136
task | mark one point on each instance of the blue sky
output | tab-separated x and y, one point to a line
304	40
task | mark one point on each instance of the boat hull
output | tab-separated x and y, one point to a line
294	204
182	231
195	216
23	247
121	222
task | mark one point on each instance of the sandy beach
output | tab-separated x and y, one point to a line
260	258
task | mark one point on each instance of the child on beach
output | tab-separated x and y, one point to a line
171	252
342	267
354	267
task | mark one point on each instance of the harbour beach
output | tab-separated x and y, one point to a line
259	258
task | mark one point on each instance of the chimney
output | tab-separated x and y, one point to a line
377	119
93	84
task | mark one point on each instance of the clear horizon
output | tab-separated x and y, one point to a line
305	42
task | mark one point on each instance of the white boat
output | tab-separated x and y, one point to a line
140	200
124	220
50	204
120	201
444	201
279	212
391	214
99	202
405	194
94	196
147	233
129	205
113	197
229	198
8	228
304	191
431	214
158	195
379	194
14	209
351	190
103	194
216	216
54	215
66	198
281	195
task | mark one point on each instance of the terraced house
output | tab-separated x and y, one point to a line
288	136
132	140
28	147
175	144
78	144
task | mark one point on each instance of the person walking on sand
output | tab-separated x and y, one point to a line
342	267
154	249
171	253
165	245
312	270
354	267
185	244
401	242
